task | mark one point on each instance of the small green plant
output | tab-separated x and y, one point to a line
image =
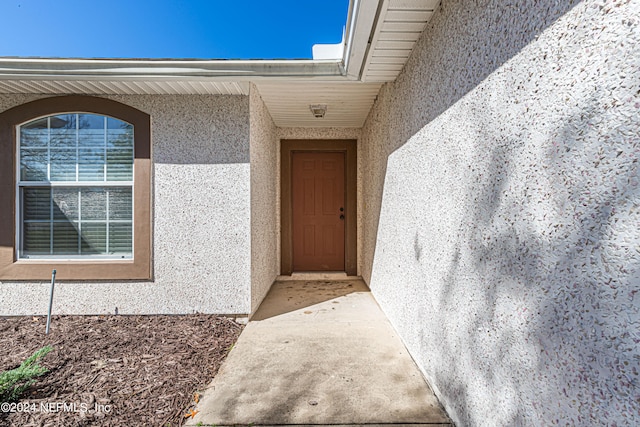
14	382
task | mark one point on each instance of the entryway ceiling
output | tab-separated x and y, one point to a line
348	103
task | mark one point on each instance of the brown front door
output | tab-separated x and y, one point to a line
318	211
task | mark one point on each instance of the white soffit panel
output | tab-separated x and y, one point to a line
106	87
348	103
398	27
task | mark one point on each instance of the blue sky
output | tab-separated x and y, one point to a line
237	29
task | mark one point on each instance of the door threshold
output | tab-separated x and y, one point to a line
318	275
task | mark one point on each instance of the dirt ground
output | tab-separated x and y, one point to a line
114	370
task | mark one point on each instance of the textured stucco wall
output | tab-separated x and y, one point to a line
329	133
201	224
502	203
265	223
318	133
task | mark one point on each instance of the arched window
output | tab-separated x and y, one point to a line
79	172
75	186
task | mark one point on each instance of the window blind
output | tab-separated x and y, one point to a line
75	186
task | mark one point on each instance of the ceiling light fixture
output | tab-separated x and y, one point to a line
318	111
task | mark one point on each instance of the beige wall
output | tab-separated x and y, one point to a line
201	224
216	204
502	198
265	217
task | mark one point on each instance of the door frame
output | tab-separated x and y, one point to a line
349	148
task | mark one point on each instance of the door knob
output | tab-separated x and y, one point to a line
341	216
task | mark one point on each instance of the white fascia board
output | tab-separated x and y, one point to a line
360	25
361	20
156	70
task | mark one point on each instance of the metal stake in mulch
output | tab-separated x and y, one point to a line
53	282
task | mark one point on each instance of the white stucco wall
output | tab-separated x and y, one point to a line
502	204
201	223
265	222
318	133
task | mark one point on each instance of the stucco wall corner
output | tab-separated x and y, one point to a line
265	223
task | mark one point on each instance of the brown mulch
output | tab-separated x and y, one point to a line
115	370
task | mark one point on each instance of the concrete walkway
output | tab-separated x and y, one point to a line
319	353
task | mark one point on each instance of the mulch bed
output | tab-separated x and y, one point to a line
115	370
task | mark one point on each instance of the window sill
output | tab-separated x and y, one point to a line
108	269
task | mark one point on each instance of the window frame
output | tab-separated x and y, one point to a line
139	267
22	185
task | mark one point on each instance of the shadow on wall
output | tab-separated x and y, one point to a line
487	37
580	282
450	85
518	301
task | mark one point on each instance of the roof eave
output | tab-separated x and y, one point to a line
144	69
361	19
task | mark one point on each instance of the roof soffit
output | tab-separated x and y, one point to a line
348	85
